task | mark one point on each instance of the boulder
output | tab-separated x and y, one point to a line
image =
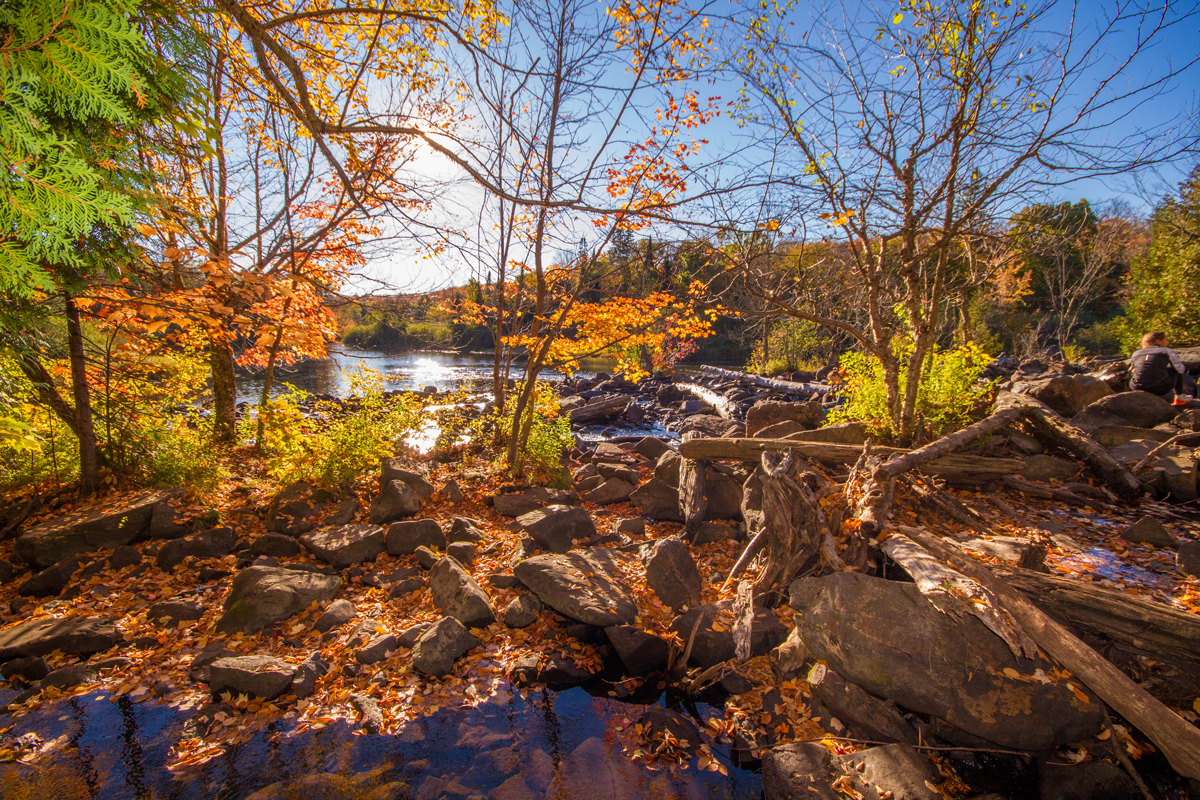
522	611
393	469
1045	469
377	649
666	469
458	595
779	430
1187	559
309	671
724	495
1068	395
210	544
440	645
613	490
766	413
261	596
102	528
409	636
163	524
275	545
397	500
658	500
808	771
627	474
406	587
845	433
707	425
1172	470
451	492
672	573
29	668
51	580
1139	409
462	552
632	527
714	632
465	529
257	676
1111	436
868	716
891	641
426	558
344	513
639	651
403	538
73	636
1091	780
514	505
555	528
584	585
345	546
651	447
1148	530
336	615
122	557
292	510
175	611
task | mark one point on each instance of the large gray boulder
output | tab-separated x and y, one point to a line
440	645
262	596
457	594
1139	409
209	544
672	573
73	636
292	510
346	545
891	641
808	771
713	624
393	469
256	676
613	490
396	501
103	528
555	528
766	413
403	538
1067	394
584	585
657	499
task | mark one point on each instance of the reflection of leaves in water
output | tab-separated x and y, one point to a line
1107	564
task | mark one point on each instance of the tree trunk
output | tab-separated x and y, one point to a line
89	465
693	496
220	359
793	523
269	377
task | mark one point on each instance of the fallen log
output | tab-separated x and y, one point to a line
693	499
1176	738
954	467
722	405
787	387
1055	430
1045	492
600	410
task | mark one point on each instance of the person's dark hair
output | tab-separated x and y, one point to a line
1152	338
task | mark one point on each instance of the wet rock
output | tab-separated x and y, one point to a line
811	771
403	538
583	585
257	676
714	632
639	651
888	639
408	638
1091	780
377	649
658	723
261	596
868	716
426	557
345	546
522	611
595	771
672	573
1139	409
51	580
1187	559
74	636
275	545
336	615
514	505
310	670
293	509
556	527
613	490
1148	530
770	412
845	433
462	552
393	469
397	500
658	500
457	594
30	668
210	544
86	531
1048	468
175	611
406	587
440	645
651	447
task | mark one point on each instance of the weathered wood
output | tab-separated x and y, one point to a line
743	618
953	593
722	405
1047	492
794	525
955	467
693	497
1055	430
787	387
955	509
603	409
948	444
1191	437
1176	738
1134	625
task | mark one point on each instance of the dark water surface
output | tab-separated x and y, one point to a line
120	751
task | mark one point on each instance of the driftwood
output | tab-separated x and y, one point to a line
1176	738
1191	437
722	405
693	499
952	506
600	410
787	387
1053	429
794	526
955	467
1046	492
743	620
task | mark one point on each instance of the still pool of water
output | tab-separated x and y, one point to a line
120	751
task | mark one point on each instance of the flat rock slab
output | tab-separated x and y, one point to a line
256	676
104	528
74	636
584	585
261	596
811	771
345	546
555	528
403	538
891	641
209	544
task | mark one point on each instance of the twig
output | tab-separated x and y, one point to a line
920	746
1179	437
1123	757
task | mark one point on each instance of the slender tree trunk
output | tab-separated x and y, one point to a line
220	361
89	465
966	332
269	377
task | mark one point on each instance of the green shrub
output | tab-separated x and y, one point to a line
180	454
949	397
549	435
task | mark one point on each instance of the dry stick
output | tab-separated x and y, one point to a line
1021	753
754	548
1177	739
1051	493
1186	438
1123	757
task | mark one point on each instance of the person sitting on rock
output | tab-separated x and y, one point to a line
1157	369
